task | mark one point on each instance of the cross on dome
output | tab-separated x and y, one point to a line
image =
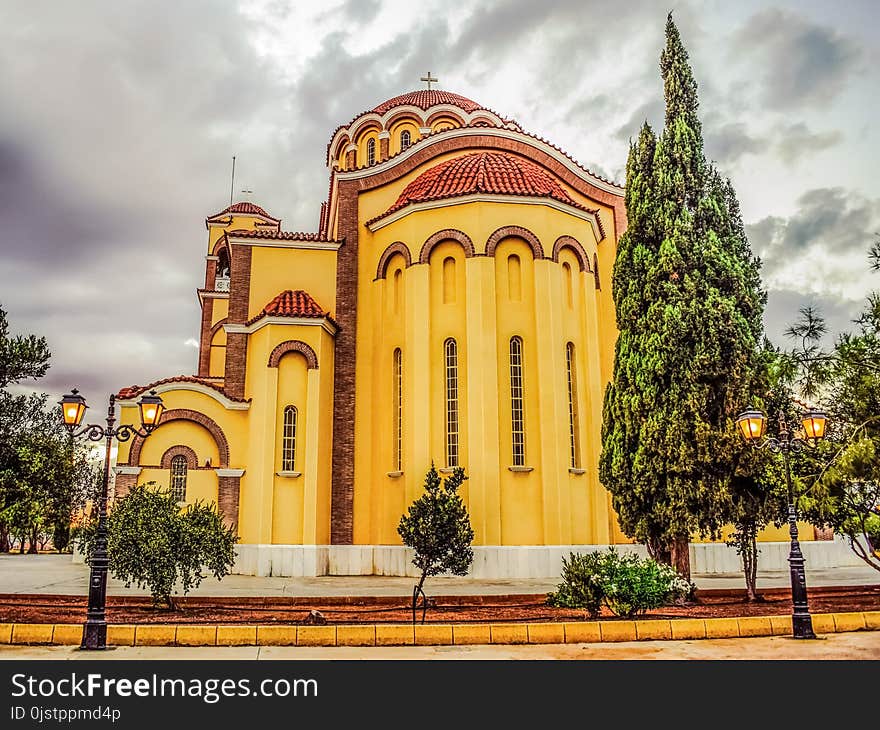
428	80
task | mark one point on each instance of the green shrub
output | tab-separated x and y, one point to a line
627	584
154	544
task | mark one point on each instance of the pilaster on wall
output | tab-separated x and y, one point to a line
228	492
236	343
342	489
205	337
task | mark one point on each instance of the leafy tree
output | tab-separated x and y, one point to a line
438	528
21	357
689	306
154	544
843	487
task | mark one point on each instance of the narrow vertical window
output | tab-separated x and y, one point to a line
596	271
371	151
178	478
573	428
451	352
405	140
398	290
398	410
569	293
448	280
514	278
517	421
288	440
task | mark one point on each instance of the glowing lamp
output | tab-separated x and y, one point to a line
752	424
814	422
151	407
73	408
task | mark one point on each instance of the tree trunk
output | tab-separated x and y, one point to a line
659	551
32	542
680	556
749	552
4	539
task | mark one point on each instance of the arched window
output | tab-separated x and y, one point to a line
288	440
569	291
221	278
514	278
405	140
178	478
517	420
371	151
398	410
451	353
573	428
398	290
448	280
596	271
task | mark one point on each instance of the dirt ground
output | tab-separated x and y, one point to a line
38	608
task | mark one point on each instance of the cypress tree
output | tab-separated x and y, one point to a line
689	308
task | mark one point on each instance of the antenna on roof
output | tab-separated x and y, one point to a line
232	184
247	192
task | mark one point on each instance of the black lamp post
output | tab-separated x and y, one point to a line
73	408
752	425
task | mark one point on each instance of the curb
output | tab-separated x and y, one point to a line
436	634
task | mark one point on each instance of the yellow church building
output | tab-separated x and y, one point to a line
453	307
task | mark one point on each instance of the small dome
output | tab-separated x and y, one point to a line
493	173
244	208
425	99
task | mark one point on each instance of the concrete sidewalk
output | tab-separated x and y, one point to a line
58	574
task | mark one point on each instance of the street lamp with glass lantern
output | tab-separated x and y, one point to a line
73	408
753	425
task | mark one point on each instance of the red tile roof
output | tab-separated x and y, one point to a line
425	99
244	208
494	173
133	391
280	235
291	304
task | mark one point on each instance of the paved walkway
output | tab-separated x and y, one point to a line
58	574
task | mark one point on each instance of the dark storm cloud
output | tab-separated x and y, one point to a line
797	141
834	221
783	308
729	142
801	62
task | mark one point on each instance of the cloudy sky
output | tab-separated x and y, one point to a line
119	122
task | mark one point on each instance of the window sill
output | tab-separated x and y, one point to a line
447	469
289	474
521	468
394	474
577	471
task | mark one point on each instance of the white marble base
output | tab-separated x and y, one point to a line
526	561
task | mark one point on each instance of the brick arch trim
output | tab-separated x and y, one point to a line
518	231
575	247
447	234
221	244
185	414
398	247
192	461
218	325
293	346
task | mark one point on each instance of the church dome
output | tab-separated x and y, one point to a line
425	99
491	173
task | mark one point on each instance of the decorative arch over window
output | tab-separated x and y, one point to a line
293	346
448	234
398	247
573	245
450	352
185	414
371	151
519	232
217	326
178	478
288	439
517	400
192	461
405	140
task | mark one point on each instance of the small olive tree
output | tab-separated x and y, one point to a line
438	528
155	544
